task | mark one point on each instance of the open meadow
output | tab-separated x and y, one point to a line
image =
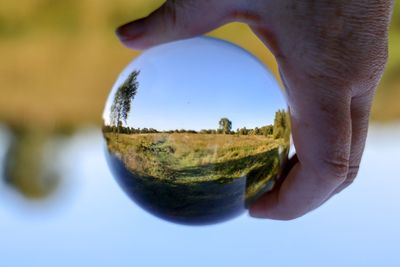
195	178
194	157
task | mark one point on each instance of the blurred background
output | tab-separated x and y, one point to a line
58	61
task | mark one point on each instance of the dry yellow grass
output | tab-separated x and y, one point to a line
198	157
60	58
53	77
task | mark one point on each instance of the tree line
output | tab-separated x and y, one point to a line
125	94
280	128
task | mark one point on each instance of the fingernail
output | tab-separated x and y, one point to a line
130	31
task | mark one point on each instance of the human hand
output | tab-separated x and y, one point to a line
331	56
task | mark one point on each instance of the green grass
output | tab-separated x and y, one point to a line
184	158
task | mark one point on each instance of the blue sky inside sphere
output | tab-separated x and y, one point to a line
192	84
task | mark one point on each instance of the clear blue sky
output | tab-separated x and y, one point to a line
192	84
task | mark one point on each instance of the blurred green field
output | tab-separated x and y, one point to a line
59	60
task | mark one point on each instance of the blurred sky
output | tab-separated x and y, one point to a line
100	226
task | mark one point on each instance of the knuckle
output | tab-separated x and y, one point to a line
352	173
246	15
335	169
177	12
170	13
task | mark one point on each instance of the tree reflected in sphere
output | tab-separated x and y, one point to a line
196	130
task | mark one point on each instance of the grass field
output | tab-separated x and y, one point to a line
183	158
195	178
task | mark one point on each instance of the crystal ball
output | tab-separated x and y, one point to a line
196	130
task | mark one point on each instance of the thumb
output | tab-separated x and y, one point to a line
175	20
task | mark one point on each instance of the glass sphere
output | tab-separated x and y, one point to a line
196	130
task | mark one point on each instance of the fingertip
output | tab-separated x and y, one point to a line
257	210
131	30
255	214
130	34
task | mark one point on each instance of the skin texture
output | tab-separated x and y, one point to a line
331	56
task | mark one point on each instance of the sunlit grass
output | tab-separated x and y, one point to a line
188	158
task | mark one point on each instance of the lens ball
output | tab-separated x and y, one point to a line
196	130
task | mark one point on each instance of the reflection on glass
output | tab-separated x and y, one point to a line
195	130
